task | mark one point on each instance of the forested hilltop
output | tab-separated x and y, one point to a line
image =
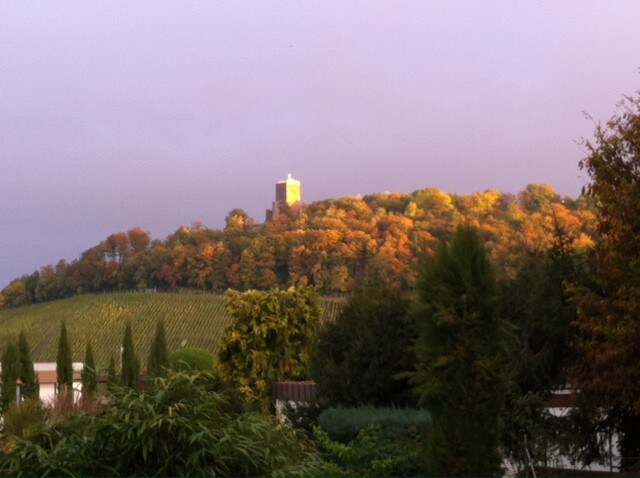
335	245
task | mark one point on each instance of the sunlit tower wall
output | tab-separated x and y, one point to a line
288	192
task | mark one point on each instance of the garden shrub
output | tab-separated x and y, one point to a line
269	340
372	453
191	359
344	424
357	359
182	427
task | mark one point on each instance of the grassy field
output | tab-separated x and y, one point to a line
198	320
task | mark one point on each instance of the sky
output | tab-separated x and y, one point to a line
156	114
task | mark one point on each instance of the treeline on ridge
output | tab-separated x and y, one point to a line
335	245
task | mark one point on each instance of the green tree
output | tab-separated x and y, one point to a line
130	364
607	371
357	357
10	373
30	386
89	382
269	340
64	363
461	375
158	354
538	305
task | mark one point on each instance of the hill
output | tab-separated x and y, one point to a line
335	245
197	319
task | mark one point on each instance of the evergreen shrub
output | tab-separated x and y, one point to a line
372	453
344	424
358	358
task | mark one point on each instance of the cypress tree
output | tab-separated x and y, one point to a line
89	383
64	364
158	355
461	375
130	363
30	385
111	374
10	372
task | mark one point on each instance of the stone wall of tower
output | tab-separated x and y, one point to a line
288	192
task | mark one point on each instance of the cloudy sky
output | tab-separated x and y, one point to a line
157	114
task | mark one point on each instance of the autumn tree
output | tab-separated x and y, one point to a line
269	339
237	219
607	373
15	294
64	363
461	375
130	364
27	375
139	239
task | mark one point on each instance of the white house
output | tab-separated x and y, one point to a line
47	378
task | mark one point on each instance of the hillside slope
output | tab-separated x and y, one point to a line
198	320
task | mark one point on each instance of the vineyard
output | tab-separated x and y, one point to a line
192	320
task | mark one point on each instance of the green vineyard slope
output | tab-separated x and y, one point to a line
191	319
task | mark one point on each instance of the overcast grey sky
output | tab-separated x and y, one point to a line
156	114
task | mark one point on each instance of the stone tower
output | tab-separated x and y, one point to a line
288	192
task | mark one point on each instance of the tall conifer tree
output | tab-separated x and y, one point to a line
158	355
130	363
64	363
112	375
30	386
10	372
89	383
461	373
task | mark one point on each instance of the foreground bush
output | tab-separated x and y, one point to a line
369	441
374	453
344	424
181	428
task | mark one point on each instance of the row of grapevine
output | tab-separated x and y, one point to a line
192	320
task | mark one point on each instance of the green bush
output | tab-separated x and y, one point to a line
191	359
182	427
372	453
357	358
269	340
344	424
